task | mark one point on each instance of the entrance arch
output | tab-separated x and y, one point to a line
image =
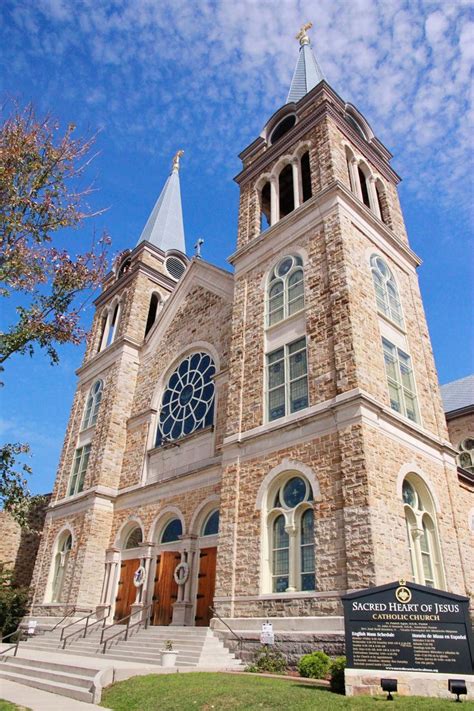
130	541
208	530
165	588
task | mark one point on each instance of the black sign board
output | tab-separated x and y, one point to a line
407	627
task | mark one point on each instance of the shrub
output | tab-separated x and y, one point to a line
336	671
314	665
268	660
13	603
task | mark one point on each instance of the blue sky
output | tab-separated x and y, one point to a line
205	76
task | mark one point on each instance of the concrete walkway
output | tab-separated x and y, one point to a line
38	700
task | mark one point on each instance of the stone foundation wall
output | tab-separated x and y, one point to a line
366	682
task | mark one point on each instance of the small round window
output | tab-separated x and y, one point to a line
175	267
292	492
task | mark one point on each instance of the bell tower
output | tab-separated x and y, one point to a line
333	392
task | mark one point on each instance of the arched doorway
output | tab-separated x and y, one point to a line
165	588
61	558
207	568
132	538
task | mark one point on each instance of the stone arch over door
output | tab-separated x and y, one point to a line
205	526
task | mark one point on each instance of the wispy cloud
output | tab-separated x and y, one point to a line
209	72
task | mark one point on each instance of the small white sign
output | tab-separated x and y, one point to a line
32	626
266	635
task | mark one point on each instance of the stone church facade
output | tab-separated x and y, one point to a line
263	441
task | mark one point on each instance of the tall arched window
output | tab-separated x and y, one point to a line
152	312
305	177
422	533
286	191
290	527
112	326
60	566
386	290
187	404
285	289
364	187
92	405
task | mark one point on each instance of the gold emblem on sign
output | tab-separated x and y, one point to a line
402	593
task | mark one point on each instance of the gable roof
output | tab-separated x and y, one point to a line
458	394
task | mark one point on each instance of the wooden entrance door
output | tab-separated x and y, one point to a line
127	591
165	591
206	585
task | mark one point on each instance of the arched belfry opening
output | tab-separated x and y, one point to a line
265	207
286	191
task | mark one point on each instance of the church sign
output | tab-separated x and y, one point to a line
408	627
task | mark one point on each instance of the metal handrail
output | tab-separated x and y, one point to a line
74	609
87	626
13	646
238	637
128	627
76	622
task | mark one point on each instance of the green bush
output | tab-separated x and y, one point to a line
13	603
336	671
268	660
314	665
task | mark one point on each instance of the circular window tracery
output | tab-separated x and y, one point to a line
188	401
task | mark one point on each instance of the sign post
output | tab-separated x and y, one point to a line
405	627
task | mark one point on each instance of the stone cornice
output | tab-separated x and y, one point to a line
353	407
110	355
307	216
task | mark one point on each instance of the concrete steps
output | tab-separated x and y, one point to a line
75	682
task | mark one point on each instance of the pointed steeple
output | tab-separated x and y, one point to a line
308	72
164	227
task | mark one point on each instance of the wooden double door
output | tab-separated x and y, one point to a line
206	586
127	591
165	590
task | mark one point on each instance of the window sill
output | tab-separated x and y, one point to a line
288	319
386	319
181	440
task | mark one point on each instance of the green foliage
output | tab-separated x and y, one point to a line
336	678
168	645
314	665
13	603
39	195
14	494
268	660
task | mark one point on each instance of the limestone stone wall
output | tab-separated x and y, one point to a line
460	427
19	546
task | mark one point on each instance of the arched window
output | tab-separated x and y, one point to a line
112	326
92	405
124	267
134	538
60	566
305	177
422	534
265	207
211	524
290	526
286	191
103	329
285	289
172	531
364	186
466	454
386	290
152	312
187	404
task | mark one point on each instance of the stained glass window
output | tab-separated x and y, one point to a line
187	404
172	531
211	525
92	405
285	289
386	290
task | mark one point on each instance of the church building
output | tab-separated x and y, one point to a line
253	445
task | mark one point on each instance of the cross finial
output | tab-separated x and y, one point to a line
197	247
176	158
302	35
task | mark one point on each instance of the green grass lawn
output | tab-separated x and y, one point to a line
202	691
7	706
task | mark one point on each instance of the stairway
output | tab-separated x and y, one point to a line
80	683
196	646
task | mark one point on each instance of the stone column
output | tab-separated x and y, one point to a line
295	165
143	590
353	167
274	201
109	586
374	203
183	608
293	558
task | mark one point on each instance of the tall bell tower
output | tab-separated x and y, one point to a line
334	411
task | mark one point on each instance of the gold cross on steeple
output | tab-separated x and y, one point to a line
302	35
176	158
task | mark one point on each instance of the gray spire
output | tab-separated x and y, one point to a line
308	72
164	227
